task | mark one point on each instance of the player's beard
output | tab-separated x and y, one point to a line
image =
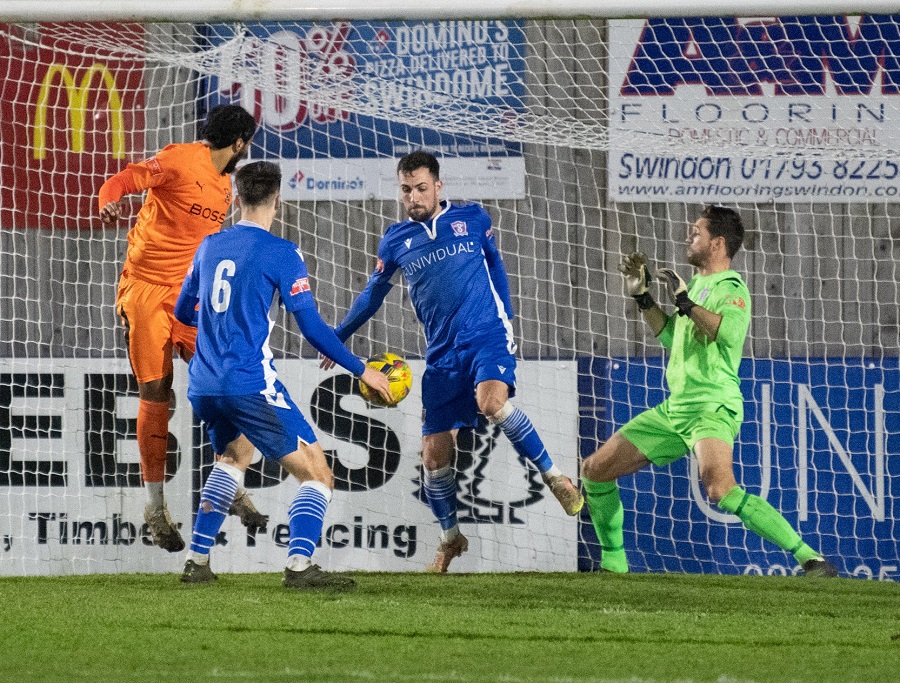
420	214
699	259
235	160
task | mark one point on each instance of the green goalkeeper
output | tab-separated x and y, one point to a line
705	408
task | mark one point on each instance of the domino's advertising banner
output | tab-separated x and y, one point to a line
71	499
820	442
797	109
340	102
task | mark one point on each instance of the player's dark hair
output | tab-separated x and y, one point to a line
413	161
226	123
257	182
724	222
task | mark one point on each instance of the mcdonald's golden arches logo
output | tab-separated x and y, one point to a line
77	96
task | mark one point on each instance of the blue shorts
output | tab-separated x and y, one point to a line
272	424
448	392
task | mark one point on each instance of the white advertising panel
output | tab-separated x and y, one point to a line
347	179
71	501
792	109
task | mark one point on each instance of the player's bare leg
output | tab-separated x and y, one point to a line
493	402
439	480
717	474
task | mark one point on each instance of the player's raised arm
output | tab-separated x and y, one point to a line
706	321
364	306
130	180
111	193
636	272
496	269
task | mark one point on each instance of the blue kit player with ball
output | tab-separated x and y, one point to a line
458	286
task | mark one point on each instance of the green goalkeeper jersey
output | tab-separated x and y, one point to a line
701	372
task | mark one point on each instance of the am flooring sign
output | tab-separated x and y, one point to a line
766	109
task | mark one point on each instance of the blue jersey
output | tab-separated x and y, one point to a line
455	275
235	275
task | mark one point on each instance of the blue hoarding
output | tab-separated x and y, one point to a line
820	442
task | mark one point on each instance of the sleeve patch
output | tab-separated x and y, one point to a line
154	166
379	266
301	285
739	302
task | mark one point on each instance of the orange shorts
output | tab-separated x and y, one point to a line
152	333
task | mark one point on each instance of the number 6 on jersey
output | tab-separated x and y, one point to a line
221	289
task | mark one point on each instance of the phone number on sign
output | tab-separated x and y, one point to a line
804	169
653	167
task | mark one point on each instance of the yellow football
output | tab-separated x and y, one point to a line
399	376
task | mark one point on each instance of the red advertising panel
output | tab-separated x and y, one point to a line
70	116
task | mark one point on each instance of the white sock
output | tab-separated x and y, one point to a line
297	563
155	493
234	473
554	471
505	411
449	534
198	558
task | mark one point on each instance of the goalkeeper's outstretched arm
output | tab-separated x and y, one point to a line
705	320
637	282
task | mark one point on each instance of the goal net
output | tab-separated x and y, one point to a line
585	140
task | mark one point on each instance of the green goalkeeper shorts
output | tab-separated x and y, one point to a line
664	436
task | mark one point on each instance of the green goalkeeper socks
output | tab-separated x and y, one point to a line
757	515
607	515
764	520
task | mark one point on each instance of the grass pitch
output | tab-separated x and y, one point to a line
485	628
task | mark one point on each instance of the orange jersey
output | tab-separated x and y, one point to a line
188	199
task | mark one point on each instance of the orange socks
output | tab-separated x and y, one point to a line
153	438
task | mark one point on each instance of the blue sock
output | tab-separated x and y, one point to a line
305	517
440	488
215	499
525	439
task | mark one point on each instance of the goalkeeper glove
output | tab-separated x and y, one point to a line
637	279
678	289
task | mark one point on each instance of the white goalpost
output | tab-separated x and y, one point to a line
586	135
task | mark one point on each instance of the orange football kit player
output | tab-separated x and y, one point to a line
188	197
